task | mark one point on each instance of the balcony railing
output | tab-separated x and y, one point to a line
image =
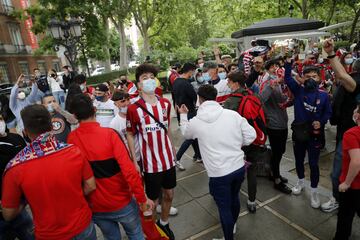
20	48
6	9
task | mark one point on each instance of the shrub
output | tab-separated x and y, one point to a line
110	76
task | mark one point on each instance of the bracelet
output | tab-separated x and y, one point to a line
331	56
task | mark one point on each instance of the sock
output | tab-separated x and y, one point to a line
302	181
250	202
314	190
164	223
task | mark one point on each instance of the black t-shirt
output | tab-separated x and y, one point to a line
184	93
9	147
346	107
61	127
42	83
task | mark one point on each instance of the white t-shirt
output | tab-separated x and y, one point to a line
119	124
105	112
54	85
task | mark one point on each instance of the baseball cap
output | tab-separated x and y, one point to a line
102	88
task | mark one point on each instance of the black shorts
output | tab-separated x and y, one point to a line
154	182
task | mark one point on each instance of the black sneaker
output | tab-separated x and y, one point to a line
166	229
282	188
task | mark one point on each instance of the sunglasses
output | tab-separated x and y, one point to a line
124	100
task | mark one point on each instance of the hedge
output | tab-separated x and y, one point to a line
110	76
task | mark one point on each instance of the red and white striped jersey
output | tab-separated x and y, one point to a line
155	145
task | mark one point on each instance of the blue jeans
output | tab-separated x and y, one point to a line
128	217
186	144
312	147
336	170
21	227
60	98
225	191
88	234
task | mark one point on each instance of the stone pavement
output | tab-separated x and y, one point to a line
278	217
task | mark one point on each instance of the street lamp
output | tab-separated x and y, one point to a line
66	33
291	10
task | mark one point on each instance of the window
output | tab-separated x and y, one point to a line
56	66
24	68
7	6
16	36
4	73
42	67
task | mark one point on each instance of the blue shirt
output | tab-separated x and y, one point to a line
309	106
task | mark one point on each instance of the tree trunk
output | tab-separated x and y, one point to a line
107	61
146	39
123	49
331	14
304	9
353	26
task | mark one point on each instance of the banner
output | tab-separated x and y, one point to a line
28	25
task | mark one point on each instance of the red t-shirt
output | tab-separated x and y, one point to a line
52	185
173	76
351	140
117	179
156	148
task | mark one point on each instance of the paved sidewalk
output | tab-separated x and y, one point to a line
278	216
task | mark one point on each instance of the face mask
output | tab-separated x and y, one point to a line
99	98
206	77
50	108
82	87
348	61
123	110
201	65
222	75
200	79
149	86
2	127
310	84
21	95
316	49
321	60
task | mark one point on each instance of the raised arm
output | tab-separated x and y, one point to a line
346	80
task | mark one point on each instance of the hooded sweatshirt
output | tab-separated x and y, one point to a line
221	134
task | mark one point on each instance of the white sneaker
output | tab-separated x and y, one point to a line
298	187
173	211
219	238
315	201
179	166
330	205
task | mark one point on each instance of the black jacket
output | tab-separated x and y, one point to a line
68	80
184	93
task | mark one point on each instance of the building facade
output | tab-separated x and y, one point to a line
18	44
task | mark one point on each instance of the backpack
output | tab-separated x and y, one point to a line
250	107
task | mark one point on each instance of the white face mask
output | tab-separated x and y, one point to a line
201	65
82	87
149	86
21	95
123	110
348	61
2	127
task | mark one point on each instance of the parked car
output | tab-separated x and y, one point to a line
98	71
115	67
133	64
5	88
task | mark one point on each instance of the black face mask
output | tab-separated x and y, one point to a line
310	84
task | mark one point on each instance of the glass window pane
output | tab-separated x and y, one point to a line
42	67
4	73
24	68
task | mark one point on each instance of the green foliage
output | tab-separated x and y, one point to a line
106	77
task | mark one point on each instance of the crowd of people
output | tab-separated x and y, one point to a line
77	156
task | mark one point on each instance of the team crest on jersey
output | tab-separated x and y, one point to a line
318	101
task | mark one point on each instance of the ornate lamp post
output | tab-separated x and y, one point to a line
67	34
291	10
